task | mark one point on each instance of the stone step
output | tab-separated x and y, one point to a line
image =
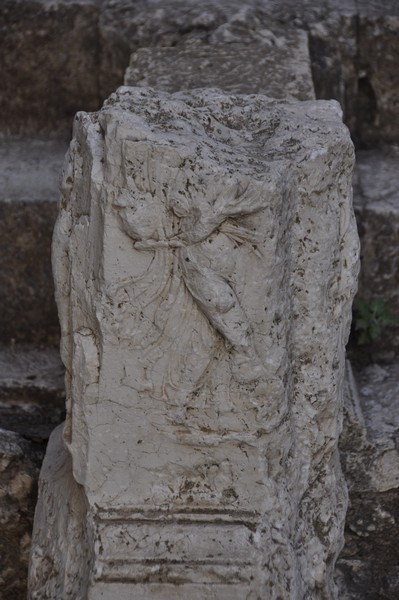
49	55
32	396
273	63
376	200
29	181
81	49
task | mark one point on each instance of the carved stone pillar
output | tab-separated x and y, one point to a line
205	259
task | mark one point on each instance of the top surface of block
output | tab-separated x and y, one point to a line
276	65
246	131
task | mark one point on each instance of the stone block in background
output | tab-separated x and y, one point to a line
276	64
205	260
32	403
81	49
377	71
126	26
49	62
32	396
20	462
368	565
30	169
376	200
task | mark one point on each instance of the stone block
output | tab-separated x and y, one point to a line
275	64
205	259
29	181
32	397
49	59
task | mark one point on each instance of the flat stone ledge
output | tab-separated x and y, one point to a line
275	65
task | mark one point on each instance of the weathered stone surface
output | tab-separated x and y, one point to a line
376	199
275	65
62	507
19	469
29	181
368	565
205	261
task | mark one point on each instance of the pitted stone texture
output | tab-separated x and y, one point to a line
275	65
376	199
19	470
205	259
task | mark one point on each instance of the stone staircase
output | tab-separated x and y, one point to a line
62	56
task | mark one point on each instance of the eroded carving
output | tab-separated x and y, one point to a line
205	264
194	230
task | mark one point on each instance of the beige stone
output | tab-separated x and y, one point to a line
205	259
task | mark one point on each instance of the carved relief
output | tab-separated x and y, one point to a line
204	281
190	231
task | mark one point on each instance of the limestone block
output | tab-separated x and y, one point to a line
205	259
275	65
19	470
368	564
376	199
